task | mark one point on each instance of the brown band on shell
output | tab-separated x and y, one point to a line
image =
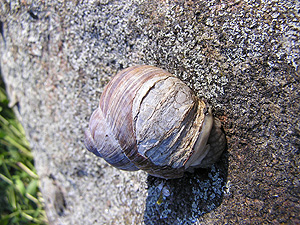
101	138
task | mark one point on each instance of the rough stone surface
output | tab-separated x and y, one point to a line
242	56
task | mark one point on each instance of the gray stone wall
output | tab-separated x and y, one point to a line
242	56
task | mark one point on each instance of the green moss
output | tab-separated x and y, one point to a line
21	202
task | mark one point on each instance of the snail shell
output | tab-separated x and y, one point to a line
148	119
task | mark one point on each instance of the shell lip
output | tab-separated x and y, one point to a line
201	148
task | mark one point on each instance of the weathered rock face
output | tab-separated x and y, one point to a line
242	56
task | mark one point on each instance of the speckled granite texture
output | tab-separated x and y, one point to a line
242	56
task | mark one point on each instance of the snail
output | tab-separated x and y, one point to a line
150	120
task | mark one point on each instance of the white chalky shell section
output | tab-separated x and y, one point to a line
164	133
